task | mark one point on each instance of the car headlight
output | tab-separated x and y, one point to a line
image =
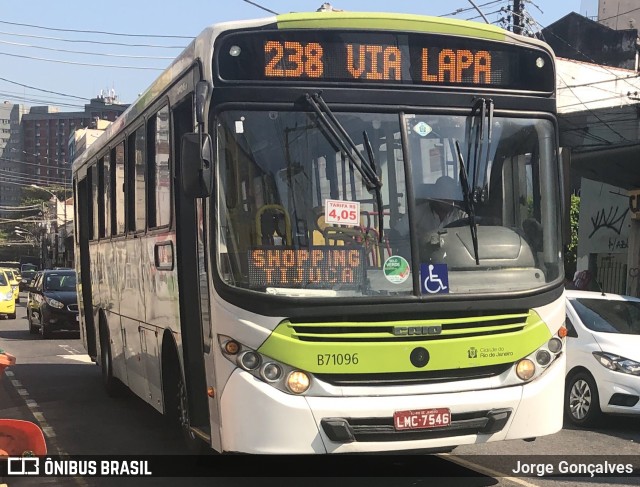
281	376
54	303
7	297
617	363
15	288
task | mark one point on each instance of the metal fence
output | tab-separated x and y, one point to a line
612	277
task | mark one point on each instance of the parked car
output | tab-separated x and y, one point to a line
14	282
52	302
603	356
7	301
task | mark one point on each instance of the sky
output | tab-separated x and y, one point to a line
63	53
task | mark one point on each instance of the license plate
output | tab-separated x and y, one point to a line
422	419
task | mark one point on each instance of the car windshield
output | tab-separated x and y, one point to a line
300	213
609	316
3	279
10	274
29	267
60	282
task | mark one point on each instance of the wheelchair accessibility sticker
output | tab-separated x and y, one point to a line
434	278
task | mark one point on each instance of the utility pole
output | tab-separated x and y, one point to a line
518	16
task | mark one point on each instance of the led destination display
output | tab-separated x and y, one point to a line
393	58
318	267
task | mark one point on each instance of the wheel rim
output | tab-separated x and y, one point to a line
183	409
580	399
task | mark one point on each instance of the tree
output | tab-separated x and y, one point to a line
571	254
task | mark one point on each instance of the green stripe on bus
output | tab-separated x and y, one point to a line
371	354
385	21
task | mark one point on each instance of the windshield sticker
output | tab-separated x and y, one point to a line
422	129
240	126
323	267
396	269
338	212
434	278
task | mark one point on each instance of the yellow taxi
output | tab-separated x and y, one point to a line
7	299
13	282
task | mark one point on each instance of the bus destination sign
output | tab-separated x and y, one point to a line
317	267
390	58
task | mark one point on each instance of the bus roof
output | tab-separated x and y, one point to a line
391	21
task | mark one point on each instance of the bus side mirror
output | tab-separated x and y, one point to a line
196	156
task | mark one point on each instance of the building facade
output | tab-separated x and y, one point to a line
46	133
10	154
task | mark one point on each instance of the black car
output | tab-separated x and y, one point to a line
52	302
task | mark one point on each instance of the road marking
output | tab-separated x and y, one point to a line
70	349
52	444
485	470
78	358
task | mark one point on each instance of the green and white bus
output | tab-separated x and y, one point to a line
258	254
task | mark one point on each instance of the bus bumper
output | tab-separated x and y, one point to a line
260	419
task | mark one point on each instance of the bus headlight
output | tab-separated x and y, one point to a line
271	372
554	345
525	369
281	376
249	360
543	357
298	382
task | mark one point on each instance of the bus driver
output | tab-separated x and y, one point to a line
436	209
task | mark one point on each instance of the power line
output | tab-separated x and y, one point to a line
261	7
618	15
131	56
80	64
42	89
593	113
461	10
97	31
83	41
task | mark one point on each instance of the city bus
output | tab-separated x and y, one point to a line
253	256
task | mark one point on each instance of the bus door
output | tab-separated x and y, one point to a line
83	204
190	267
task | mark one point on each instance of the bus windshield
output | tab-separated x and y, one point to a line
296	218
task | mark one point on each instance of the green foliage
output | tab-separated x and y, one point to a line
571	254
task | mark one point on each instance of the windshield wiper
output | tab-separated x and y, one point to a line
467	194
482	121
372	163
345	143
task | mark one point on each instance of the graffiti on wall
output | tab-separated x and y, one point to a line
604	221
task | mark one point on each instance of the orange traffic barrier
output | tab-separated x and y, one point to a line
21	438
6	359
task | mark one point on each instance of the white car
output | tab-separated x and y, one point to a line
603	356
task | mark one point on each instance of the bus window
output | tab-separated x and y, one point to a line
159	184
108	187
136	177
119	189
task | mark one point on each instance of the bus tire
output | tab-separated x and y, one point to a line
177	405
582	402
112	385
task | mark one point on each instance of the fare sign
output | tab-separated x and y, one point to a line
337	212
421	419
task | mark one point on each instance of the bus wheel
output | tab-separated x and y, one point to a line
177	410
111	384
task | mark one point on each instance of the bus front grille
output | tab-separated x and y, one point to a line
418	330
414	378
